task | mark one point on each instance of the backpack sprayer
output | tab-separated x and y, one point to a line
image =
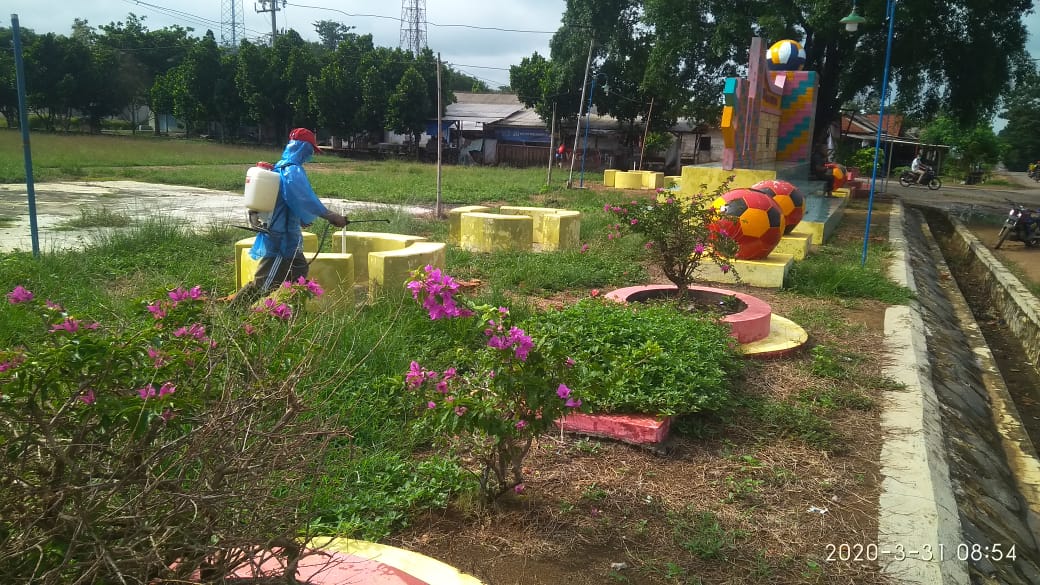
261	193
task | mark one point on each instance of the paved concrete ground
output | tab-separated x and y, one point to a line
57	203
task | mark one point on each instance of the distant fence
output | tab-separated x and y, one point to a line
518	155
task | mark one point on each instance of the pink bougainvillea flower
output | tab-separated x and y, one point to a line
248	328
157	357
88	397
669	201
725	268
572	403
71	325
167	414
431	405
54	306
442	387
166	388
146	392
594	293
449	374
607	207
414	378
563	391
584	248
282	311
633	221
460	410
698	249
157	310
518	488
649	245
569	362
520	424
19	295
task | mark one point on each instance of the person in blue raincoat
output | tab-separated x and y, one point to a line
280	250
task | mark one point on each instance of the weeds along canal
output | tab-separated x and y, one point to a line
983	382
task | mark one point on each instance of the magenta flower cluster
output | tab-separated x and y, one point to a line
516	338
435	291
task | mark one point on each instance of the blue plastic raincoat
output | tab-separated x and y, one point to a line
297	204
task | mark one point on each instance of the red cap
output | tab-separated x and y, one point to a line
305	135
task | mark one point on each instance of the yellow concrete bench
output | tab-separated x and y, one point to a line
638	180
496	232
334	271
455	220
245	267
361	244
552	229
390	269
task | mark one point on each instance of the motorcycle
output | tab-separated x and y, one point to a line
910	178
1034	174
1020	225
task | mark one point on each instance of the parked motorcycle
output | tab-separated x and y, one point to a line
1020	225
1034	174
910	178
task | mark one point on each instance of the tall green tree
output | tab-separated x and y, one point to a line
409	106
1021	136
973	146
956	56
8	83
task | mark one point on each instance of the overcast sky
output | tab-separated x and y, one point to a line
485	54
470	48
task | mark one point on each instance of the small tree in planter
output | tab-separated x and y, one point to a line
678	232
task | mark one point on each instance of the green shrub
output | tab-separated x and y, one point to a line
650	358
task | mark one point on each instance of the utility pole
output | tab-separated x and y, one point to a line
440	140
552	147
646	130
581	105
272	7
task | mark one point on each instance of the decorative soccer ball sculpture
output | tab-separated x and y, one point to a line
840	175
788	197
785	55
752	219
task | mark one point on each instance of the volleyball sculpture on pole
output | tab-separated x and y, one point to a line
785	55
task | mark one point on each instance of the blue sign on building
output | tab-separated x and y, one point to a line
522	135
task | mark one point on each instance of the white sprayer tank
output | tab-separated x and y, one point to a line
262	187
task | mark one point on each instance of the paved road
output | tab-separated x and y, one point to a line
986	199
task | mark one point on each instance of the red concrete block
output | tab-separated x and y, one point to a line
641	429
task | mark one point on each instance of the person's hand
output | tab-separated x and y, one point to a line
335	219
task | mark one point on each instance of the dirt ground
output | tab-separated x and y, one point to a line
736	499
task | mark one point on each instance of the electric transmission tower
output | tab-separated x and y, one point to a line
413	25
232	22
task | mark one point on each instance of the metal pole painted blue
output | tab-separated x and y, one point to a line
585	144
890	11
23	121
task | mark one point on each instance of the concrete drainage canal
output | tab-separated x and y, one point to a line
982	350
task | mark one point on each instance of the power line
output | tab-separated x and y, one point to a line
429	22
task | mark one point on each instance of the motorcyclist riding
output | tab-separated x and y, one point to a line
919	168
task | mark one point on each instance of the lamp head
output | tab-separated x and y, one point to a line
853	20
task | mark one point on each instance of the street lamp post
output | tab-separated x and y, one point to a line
851	22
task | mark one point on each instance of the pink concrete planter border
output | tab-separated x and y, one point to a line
639	429
751	324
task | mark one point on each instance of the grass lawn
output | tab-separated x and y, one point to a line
726	504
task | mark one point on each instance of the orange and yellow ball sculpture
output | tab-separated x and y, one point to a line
788	197
752	219
840	175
